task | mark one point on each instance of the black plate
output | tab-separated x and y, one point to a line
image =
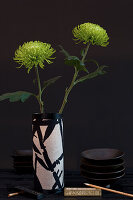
23	162
113	171
102	154
102	175
24	153
22	159
102	167
103	182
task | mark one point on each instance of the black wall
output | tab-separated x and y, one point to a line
99	112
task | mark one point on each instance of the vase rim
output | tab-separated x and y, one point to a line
47	115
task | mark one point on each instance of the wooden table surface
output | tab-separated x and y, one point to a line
9	179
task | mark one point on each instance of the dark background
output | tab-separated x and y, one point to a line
99	112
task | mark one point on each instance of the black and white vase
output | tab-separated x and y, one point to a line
48	158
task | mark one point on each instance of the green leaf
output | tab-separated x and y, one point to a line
64	51
94	61
102	67
16	96
81	67
73	61
76	62
49	82
99	71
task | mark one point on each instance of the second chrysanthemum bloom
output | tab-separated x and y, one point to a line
34	53
91	33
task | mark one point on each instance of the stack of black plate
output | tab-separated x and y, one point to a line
102	166
22	161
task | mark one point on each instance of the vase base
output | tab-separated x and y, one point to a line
48	192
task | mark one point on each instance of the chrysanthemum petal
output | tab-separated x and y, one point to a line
34	53
91	33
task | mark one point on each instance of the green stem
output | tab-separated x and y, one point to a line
39	91
72	82
68	91
86	50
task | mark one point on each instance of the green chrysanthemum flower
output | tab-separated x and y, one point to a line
34	53
91	33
